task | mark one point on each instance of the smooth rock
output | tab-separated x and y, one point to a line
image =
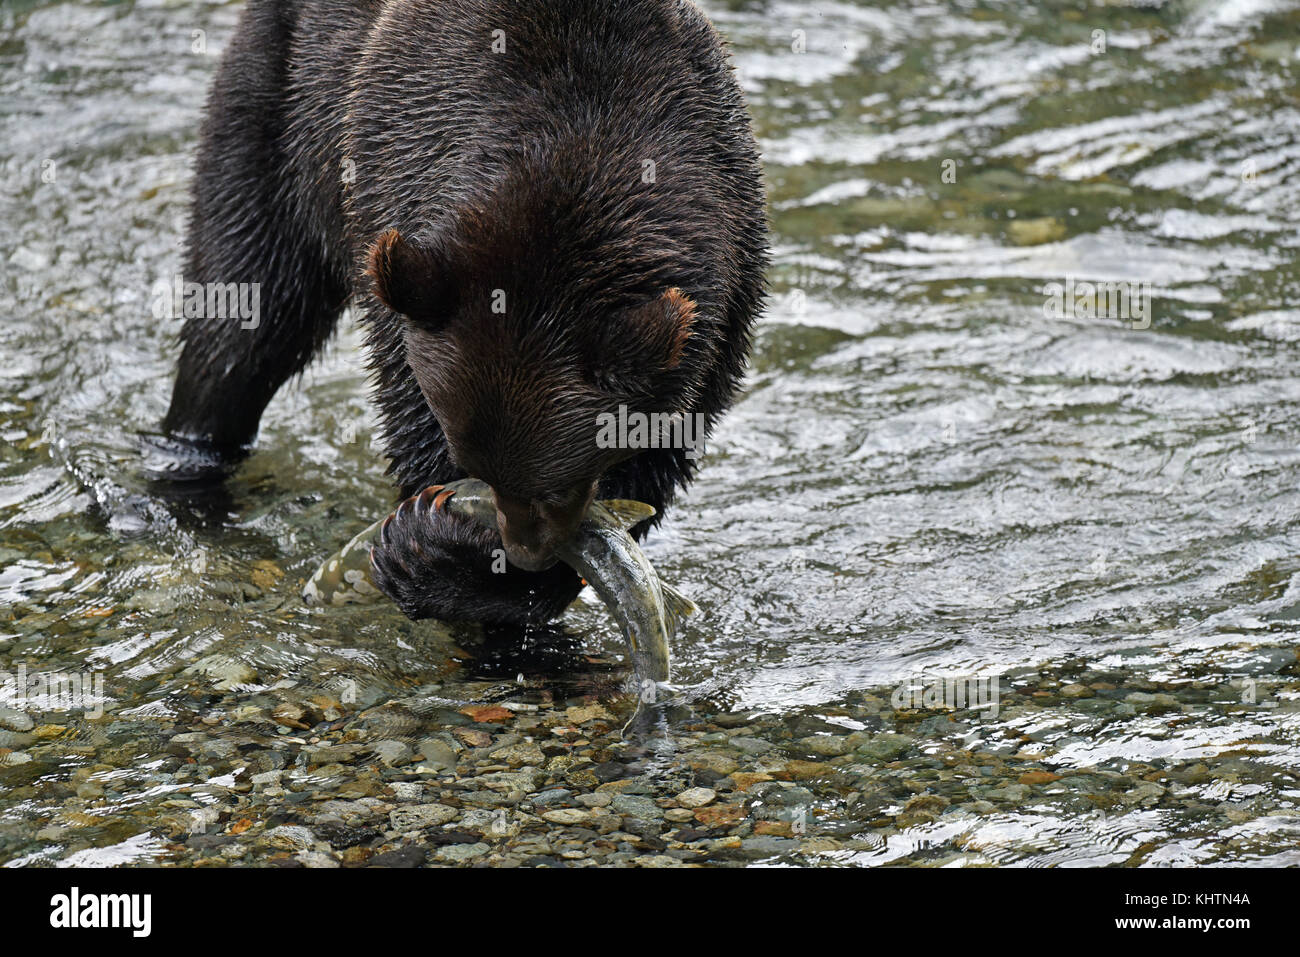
885	747
455	853
291	837
696	797
552	796
636	806
15	720
526	752
420	816
567	815
826	745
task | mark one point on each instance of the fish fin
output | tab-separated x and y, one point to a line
628	512
677	604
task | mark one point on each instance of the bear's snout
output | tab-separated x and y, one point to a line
528	558
531	531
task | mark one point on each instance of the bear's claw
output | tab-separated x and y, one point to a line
424	499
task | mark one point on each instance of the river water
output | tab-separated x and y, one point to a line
938	470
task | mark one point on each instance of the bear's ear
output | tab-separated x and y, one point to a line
661	327
640	354
411	279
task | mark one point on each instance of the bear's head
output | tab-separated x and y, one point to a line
519	353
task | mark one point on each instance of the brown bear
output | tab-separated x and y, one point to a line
548	211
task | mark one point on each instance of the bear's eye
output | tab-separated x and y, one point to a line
615	381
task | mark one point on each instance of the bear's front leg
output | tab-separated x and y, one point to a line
436	564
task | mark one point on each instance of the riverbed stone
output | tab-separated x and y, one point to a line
417	816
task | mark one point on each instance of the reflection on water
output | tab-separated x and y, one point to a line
929	474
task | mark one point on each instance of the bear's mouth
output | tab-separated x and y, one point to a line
530	560
532	530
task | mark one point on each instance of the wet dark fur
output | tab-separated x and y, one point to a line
519	172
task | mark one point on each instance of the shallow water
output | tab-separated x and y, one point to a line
929	475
